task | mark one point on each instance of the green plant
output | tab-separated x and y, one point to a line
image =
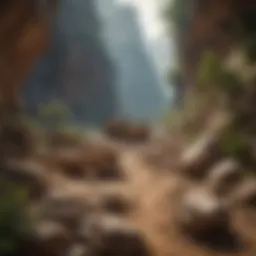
14	221
209	68
55	114
212	72
233	142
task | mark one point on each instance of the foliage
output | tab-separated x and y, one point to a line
14	221
54	114
233	142
211	71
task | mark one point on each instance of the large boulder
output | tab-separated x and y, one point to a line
199	157
65	210
115	203
126	131
196	160
108	235
245	195
16	140
95	162
201	211
52	239
224	177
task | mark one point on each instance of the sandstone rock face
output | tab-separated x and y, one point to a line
245	195
201	211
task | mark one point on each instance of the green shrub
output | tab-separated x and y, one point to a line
14	221
233	142
55	114
213	75
209	69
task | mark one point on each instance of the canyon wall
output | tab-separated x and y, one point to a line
77	69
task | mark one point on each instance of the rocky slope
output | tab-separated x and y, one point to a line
101	197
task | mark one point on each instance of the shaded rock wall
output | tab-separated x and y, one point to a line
77	69
24	36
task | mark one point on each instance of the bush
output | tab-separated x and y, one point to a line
54	114
14	222
209	69
233	142
211	72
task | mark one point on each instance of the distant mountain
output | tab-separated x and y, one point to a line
77	69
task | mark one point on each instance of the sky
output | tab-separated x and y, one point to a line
151	16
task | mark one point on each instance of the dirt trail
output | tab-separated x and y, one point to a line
150	189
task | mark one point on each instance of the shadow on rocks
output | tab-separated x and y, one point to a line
221	239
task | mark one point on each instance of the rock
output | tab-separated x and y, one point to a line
245	195
34	179
102	163
125	131
115	203
61	139
65	210
50	239
70	162
199	157
78	250
224	177
201	211
108	235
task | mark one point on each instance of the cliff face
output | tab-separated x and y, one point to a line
24	36
141	95
77	69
